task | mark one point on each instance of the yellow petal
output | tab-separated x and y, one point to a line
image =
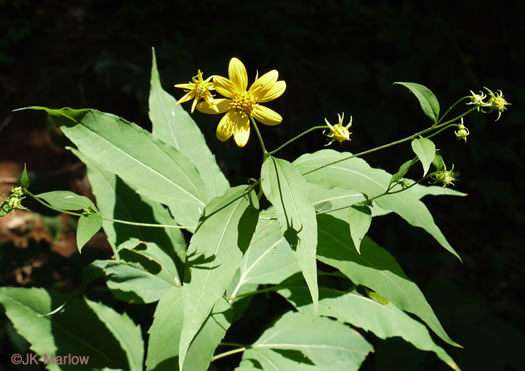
264	83
188	96
225	87
238	75
194	104
225	128
266	116
241	130
185	86
275	92
222	105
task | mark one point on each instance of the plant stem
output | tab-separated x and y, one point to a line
104	218
451	107
263	147
297	137
400	141
228	353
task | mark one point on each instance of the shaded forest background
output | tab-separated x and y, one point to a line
335	56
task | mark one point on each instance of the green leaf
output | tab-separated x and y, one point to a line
66	200
164	333
173	125
425	150
427	99
268	260
403	169
76	330
385	321
286	189
374	268
153	168
211	333
333	169
214	256
124	330
87	226
359	220
315	341
117	200
438	161
24	179
144	273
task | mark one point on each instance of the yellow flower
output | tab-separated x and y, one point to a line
196	90
338	131
240	103
462	133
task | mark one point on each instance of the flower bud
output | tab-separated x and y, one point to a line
338	131
462	133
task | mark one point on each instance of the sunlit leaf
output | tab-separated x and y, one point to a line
78	329
384	320
312	341
214	255
359	220
425	150
66	200
87	226
426	98
332	169
286	189
173	125
153	168
374	268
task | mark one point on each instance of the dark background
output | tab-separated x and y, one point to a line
335	56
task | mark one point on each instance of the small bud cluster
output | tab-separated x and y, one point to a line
462	133
13	202
495	102
445	177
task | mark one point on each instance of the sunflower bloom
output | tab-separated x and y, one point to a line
196	90
240	103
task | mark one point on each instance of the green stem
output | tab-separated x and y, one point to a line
228	353
400	141
263	147
440	130
104	218
297	137
450	109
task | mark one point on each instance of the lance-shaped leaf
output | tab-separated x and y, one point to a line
214	255
82	328
426	98
286	189
117	200
311	341
359	220
143	273
268	260
374	268
164	335
87	226
403	169
384	320
66	200
124	330
425	149
24	178
334	169
173	125
153	168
